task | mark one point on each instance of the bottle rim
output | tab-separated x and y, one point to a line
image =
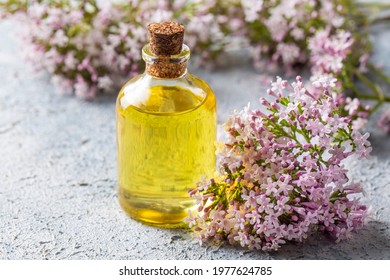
181	57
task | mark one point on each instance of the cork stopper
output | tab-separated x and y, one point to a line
166	38
166	56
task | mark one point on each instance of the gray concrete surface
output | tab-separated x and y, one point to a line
58	175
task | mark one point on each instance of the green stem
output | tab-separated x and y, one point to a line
378	19
374	87
377	105
374	6
374	11
304	134
370	97
380	97
378	72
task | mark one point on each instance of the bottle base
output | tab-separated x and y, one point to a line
152	212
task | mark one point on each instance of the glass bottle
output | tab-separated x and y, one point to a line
166	128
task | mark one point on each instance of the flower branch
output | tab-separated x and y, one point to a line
282	174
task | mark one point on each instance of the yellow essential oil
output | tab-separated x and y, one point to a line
166	128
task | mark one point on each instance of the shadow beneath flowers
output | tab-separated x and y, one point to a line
371	242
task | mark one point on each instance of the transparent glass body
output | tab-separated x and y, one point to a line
166	129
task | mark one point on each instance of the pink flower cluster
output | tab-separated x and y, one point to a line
212	26
86	48
282	174
89	47
321	33
287	26
328	52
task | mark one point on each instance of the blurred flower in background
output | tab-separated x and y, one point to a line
91	46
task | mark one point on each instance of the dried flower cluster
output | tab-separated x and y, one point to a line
282	173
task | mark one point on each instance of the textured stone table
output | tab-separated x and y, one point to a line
58	175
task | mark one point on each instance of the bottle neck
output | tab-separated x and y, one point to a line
166	67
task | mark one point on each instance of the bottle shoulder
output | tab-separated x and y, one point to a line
153	95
